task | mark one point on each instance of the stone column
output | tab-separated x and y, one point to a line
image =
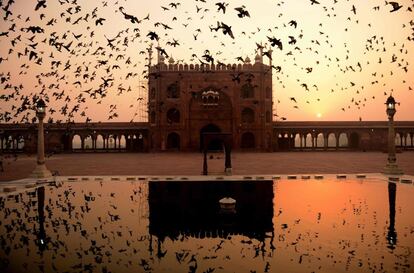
391	167
41	171
337	140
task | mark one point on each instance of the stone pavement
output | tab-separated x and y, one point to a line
77	164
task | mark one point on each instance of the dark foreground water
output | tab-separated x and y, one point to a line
280	226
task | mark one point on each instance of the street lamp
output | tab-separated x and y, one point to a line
391	168
40	171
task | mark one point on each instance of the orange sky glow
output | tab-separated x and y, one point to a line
350	55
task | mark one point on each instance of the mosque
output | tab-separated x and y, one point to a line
186	101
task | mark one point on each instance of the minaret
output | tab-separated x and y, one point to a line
271	57
160	58
149	49
261	52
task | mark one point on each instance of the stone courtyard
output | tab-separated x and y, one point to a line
77	164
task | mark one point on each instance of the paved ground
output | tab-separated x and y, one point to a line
191	163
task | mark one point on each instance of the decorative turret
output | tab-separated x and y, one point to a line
247	60
171	60
258	59
160	57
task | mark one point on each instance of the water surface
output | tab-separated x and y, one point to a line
167	226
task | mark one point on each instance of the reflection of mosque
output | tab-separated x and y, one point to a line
179	208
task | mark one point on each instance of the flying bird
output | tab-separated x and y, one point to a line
222	6
242	12
40	4
395	6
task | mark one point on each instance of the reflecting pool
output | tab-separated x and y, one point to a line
336	225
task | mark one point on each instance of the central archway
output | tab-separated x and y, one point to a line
214	144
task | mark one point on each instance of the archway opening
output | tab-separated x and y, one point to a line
331	140
320	142
99	142
76	142
298	141
248	141
354	141
308	140
88	144
111	142
173	141
122	142
398	140
20	143
214	144
343	140
65	142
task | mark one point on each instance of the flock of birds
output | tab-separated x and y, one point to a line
78	65
103	227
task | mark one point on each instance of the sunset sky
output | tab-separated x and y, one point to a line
350	54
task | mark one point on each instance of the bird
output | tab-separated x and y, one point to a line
100	21
226	29
242	12
131	18
293	23
353	9
275	42
40	4
222	6
395	6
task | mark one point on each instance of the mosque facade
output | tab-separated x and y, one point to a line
186	101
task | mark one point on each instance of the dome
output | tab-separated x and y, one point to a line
247	60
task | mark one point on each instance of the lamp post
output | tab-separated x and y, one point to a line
391	168
40	171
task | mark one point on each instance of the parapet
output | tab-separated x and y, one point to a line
207	67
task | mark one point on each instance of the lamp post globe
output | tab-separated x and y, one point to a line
390	107
40	172
391	168
40	107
